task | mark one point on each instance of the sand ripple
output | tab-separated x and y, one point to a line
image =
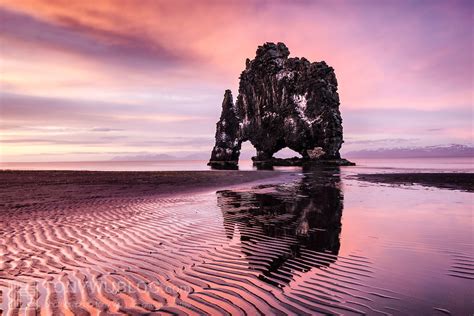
269	250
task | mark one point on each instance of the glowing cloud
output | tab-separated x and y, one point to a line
149	68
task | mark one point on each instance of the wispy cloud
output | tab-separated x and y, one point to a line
106	129
44	109
149	72
69	34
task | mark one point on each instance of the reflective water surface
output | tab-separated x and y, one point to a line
304	215
340	246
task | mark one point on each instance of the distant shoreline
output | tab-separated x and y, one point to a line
206	160
454	181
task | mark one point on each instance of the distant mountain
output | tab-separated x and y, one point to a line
158	157
144	157
442	151
196	156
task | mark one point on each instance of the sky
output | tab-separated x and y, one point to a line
93	80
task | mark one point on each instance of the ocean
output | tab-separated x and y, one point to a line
411	164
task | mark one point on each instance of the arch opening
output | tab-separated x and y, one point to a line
286	153
247	150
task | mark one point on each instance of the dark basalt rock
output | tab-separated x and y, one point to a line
282	102
297	161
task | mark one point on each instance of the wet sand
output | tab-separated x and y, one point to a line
454	181
19	189
88	243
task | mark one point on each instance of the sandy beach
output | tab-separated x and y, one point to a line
21	189
114	242
236	158
227	242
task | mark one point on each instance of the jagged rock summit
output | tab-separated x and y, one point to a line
282	102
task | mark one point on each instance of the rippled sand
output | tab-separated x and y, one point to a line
297	244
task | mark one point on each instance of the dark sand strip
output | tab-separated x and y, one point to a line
24	188
453	181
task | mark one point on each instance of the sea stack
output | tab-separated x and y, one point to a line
282	102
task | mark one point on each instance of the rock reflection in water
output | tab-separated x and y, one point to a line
279	220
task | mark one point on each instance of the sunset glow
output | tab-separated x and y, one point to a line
91	80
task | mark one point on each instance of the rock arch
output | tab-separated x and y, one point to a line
282	102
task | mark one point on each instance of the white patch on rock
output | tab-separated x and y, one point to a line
279	61
316	152
270	114
284	74
301	103
245	122
223	137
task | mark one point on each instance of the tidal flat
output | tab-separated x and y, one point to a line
232	242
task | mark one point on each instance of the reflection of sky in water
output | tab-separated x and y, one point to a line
395	249
420	239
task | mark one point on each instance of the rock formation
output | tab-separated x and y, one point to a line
282	102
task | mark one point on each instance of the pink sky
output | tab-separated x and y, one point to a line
88	80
